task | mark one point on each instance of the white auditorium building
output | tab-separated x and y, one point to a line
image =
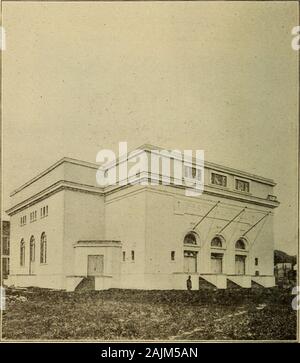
66	228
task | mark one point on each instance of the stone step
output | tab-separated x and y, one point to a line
232	285
204	284
86	284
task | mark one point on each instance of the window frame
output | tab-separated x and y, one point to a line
237	178
43	249
189	176
5	245
218	173
22	253
173	254
218	247
241	249
194	234
32	248
23	220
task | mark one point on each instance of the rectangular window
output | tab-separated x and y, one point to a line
22	253
23	221
132	255
44	211
242	185
218	179
172	255
256	261
5	249
124	256
32	216
256	273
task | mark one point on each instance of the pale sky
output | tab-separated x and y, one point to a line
218	76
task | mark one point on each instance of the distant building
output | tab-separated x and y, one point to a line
5	233
282	269
65	227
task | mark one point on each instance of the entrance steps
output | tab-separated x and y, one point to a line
232	285
216	280
240	280
255	285
206	285
86	284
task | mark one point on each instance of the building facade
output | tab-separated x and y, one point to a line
5	236
65	227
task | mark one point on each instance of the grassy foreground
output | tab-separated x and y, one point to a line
40	314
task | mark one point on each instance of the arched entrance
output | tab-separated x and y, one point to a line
217	245
240	256
190	252
32	256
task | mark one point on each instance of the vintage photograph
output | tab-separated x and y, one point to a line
149	171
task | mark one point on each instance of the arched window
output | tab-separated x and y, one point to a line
240	245
43	258
216	242
22	252
32	249
190	239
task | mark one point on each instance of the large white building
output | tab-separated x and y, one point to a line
65	227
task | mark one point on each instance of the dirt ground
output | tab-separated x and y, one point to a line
246	314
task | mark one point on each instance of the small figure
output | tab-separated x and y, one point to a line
189	283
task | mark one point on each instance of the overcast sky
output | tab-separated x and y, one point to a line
80	77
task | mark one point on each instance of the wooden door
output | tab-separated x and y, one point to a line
95	265
190	261
216	263
240	265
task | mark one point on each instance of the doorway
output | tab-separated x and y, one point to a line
240	265
95	265
216	263
190	261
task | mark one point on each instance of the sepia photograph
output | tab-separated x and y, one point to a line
149	172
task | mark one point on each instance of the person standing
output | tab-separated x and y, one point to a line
189	283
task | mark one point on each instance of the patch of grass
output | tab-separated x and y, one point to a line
35	314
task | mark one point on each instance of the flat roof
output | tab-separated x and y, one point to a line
148	148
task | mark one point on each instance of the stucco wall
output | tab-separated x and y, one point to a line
49	274
111	259
171	215
125	221
83	220
40	184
